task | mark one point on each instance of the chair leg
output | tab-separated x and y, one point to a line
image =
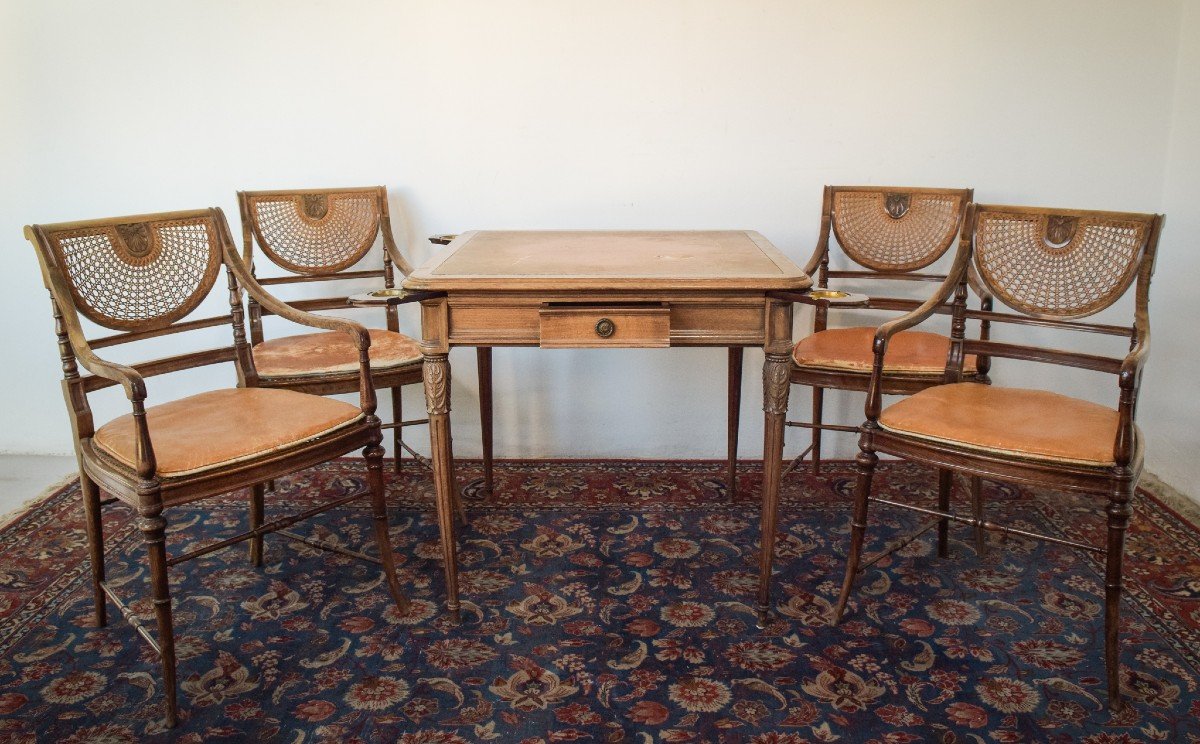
977	512
153	528
733	418
945	483
858	528
483	359
1118	520
398	432
818	404
256	521
374	457
95	538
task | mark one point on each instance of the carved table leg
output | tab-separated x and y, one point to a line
437	401
776	384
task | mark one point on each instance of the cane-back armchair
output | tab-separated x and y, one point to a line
320	235
143	277
1051	267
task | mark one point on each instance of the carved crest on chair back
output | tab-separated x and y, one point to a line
895	231
138	275
315	233
897	205
1058	265
1060	229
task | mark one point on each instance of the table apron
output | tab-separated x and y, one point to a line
726	319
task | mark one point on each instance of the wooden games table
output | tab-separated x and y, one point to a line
583	289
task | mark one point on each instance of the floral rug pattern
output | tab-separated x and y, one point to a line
606	601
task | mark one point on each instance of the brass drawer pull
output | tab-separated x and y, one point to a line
605	328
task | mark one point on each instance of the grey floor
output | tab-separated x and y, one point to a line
24	477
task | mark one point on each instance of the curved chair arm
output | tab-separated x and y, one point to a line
954	277
357	331
127	377
822	249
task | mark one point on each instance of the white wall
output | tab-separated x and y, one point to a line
1170	405
544	114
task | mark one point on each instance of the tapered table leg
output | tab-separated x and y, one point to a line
483	355
437	402
776	384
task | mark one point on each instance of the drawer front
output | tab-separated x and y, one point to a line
581	326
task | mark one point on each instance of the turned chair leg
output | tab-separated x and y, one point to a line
818	404
977	512
483	360
95	538
374	457
153	528
398	432
733	418
945	484
858	528
1118	519
256	521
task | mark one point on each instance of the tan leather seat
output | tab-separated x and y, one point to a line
1030	423
331	351
220	427
849	350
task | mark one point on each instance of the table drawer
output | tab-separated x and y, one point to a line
630	325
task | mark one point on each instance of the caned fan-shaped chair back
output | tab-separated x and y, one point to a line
1060	263
314	232
136	273
896	229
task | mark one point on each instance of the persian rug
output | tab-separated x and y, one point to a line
607	601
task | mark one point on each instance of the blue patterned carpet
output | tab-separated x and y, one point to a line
606	601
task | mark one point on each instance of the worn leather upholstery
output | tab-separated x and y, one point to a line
849	350
1028	423
331	352
221	427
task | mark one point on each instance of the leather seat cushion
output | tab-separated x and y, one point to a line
220	427
331	352
1010	421
849	350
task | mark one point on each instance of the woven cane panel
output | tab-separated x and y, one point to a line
315	233
870	234
1065	267
142	275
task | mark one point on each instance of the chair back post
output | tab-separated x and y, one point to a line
1130	377
244	358
82	424
956	357
821	316
253	309
389	263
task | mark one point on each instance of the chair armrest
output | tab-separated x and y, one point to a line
278	307
919	315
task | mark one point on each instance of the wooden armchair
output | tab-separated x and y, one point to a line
318	235
1052	267
143	277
